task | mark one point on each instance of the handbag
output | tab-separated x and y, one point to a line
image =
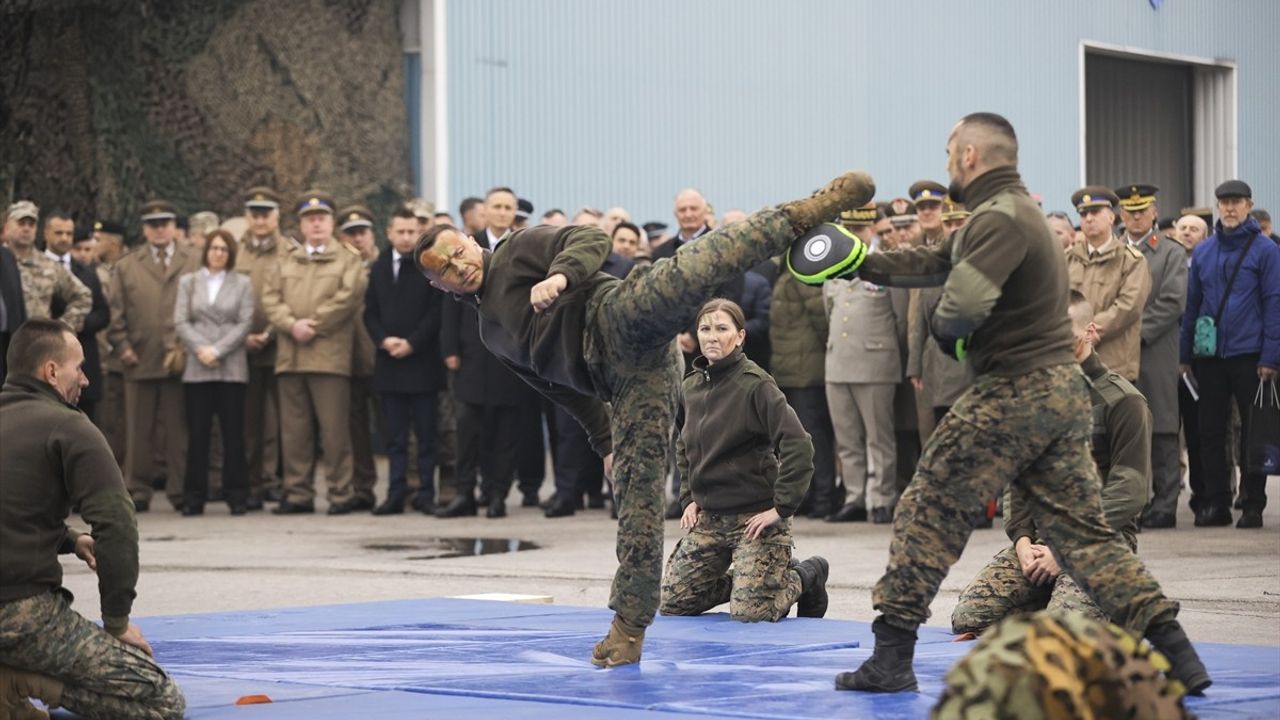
175	356
1262	446
1204	343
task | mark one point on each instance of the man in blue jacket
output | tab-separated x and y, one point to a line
1247	347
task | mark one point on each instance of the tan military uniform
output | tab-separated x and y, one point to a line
44	279
111	416
364	474
314	378
262	403
143	295
1116	283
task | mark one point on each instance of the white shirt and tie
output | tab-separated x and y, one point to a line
63	260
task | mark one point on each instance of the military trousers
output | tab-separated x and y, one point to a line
102	677
1000	590
111	414
629	344
364	472
1031	430
761	584
862	416
262	430
1166	474
311	401
155	424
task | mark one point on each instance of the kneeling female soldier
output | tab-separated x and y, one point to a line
745	464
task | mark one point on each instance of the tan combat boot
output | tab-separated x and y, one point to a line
846	192
620	647
16	686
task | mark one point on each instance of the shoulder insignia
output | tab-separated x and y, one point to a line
351	249
1133	251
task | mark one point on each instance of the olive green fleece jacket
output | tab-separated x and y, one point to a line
52	457
1004	280
742	448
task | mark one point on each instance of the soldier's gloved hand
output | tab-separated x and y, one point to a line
953	347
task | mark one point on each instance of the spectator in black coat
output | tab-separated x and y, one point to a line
58	247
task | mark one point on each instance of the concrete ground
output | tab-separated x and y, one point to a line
1227	580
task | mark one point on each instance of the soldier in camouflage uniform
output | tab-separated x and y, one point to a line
1060	664
52	456
43	278
583	338
739	512
1025	576
1025	420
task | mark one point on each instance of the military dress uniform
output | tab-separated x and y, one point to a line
144	292
258	257
314	379
1115	280
364	473
1158	376
1120	444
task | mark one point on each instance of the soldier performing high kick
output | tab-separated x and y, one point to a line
583	338
1025	420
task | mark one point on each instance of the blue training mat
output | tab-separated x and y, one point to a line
479	659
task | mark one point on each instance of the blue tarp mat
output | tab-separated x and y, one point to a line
480	659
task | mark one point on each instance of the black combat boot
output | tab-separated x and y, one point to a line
1171	640
889	668
813	587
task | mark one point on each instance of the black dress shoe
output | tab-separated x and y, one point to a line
140	505
1250	519
192	510
882	515
424	505
342	508
529	500
561	507
497	509
362	504
393	505
272	494
461	506
849	513
253	503
1160	521
818	511
482	498
1213	515
291	508
240	508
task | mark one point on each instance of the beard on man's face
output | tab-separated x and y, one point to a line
956	191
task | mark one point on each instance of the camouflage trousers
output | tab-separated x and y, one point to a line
761	585
1054	665
102	677
1000	590
1031	430
629	344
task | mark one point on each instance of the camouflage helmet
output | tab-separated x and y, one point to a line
1059	664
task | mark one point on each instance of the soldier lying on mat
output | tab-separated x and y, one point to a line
1026	577
745	464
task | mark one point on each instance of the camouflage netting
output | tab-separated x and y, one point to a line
106	104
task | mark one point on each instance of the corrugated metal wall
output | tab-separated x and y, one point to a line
606	102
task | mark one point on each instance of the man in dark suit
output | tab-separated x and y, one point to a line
486	395
60	235
402	316
13	311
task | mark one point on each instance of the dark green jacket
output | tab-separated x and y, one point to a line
546	349
742	449
1004	280
52	457
798	333
1121	446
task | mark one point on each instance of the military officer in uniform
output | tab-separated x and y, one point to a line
1025	576
311	299
1106	271
356	229
259	253
144	291
43	278
954	216
1158	375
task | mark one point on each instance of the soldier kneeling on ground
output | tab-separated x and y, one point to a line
745	464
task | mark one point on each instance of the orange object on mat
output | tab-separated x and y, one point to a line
253	700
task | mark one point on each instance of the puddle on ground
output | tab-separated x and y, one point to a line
440	548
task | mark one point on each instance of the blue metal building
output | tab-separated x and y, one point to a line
610	102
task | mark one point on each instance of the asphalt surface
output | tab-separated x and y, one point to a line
1227	580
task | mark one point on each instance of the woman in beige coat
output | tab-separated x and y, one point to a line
212	316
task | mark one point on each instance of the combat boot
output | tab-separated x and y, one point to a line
813	587
16	686
844	193
1172	642
620	647
889	667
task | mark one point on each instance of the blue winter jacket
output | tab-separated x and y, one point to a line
1251	321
